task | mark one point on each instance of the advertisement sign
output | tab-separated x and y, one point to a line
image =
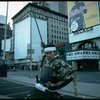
83	54
2	19
8	42
23	31
82	14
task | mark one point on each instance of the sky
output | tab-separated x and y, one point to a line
13	8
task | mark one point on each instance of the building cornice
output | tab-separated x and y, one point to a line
30	7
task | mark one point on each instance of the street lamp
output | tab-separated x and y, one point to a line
5	34
31	44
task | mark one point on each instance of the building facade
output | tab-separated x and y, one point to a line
85	54
8	55
57	24
58	6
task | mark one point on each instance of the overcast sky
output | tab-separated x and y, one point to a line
13	8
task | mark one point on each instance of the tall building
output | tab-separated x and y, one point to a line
8	54
58	6
41	3
2	29
57	24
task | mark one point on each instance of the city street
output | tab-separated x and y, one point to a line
89	77
13	90
30	31
18	84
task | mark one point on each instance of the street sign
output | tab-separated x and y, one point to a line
30	51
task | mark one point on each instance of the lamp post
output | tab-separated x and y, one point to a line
31	45
5	34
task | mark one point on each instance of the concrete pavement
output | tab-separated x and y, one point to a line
4	97
82	90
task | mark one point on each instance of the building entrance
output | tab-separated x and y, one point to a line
87	65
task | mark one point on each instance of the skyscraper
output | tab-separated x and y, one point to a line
58	6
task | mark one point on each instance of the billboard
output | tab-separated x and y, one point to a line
82	14
8	44
36	41
83	54
23	34
22	37
2	19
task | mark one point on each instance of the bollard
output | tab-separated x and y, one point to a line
75	86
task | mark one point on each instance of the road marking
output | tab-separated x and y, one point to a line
12	88
98	80
17	93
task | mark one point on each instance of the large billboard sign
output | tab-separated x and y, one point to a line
83	54
23	34
82	15
2	19
22	37
8	44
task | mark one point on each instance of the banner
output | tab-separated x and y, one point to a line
83	54
82	14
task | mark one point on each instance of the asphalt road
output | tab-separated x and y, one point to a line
19	91
13	90
89	77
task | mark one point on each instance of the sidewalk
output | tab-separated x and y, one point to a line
84	90
4	97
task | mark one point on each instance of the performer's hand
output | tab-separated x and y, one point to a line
48	84
51	86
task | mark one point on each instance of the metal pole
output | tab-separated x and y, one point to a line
5	34
30	45
75	86
42	43
38	28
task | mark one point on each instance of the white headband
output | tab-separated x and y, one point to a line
48	49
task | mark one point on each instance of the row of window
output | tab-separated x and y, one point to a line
53	21
58	32
58	27
2	26
59	23
56	41
58	37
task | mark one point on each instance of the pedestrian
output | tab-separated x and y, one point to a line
3	68
55	73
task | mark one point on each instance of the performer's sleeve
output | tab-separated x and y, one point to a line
66	74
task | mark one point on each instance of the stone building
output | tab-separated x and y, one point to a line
57	24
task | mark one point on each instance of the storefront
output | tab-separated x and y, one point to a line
84	34
85	60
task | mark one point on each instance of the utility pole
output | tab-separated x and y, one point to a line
4	58
31	45
42	43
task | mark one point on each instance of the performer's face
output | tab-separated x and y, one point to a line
50	55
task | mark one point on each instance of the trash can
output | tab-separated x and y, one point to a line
3	70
